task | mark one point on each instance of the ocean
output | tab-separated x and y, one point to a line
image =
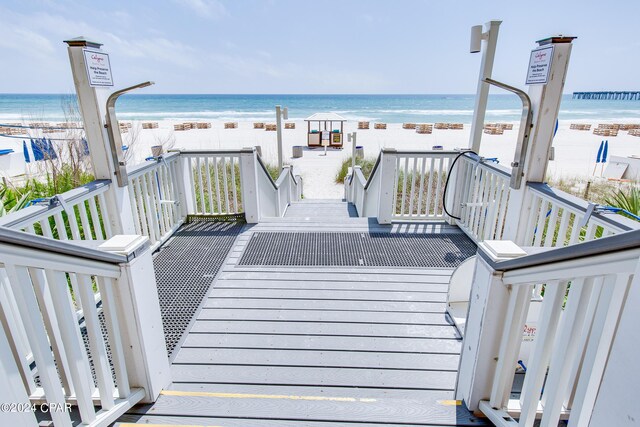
385	108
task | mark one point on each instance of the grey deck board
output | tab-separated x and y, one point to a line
314	346
378	410
372	317
321	294
440	284
238	422
329	329
313	376
311	277
310	304
380	344
318	358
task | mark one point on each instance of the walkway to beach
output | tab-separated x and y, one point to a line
307	324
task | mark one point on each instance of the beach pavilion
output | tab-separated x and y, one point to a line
320	126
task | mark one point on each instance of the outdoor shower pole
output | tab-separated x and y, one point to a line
490	39
93	83
280	112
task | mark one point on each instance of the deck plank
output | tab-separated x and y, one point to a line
310	304
380	344
328	329
322	294
337	316
318	358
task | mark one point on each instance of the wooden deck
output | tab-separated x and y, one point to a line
317	346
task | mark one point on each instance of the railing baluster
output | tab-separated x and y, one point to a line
437	210
113	330
104	211
208	174
95	219
427	209
200	185
46	228
154	191
423	164
60	226
73	223
551	227
148	207
96	342
80	370
225	184
414	176
217	180
84	220
233	184
135	207
404	185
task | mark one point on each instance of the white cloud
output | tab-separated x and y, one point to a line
212	9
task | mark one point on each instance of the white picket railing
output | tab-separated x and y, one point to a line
585	290
40	323
78	214
419	182
275	196
554	219
481	198
213	182
154	195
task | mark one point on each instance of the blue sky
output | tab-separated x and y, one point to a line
302	46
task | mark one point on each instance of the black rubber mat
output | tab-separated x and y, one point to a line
185	267
446	250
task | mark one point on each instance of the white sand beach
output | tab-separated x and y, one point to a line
575	151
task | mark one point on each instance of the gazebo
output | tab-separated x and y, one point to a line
321	128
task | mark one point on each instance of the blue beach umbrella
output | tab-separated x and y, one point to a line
25	151
85	147
36	148
598	157
605	151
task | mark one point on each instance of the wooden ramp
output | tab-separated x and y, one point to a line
317	346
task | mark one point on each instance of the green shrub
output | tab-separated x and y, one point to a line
365	164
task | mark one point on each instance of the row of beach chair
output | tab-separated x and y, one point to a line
191	125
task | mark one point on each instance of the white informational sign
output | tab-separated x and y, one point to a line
98	68
539	65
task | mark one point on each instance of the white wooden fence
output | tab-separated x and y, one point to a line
481	198
79	214
585	290
41	325
154	196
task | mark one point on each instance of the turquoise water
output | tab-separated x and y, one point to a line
387	108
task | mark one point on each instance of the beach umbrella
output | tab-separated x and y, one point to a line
598	157
36	148
25	150
605	151
51	152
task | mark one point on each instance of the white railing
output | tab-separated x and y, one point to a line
41	326
481	198
213	182
555	219
419	184
78	214
363	193
154	196
585	288
275	196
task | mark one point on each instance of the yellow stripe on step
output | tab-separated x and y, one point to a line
264	396
450	402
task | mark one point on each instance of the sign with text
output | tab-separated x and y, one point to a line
98	68
539	65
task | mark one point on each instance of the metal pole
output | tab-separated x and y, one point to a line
490	38
352	138
279	135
